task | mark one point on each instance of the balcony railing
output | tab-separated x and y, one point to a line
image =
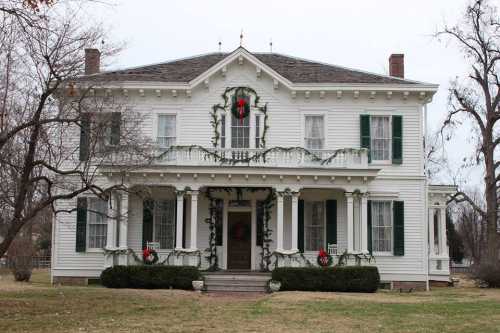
295	157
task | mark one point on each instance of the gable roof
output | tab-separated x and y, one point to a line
293	69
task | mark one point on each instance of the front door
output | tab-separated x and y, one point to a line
239	240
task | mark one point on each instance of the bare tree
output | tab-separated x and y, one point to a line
475	100
46	110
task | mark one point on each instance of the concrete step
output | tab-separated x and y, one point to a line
236	282
252	289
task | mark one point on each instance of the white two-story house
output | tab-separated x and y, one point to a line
263	157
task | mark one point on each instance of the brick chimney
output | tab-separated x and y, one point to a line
92	61
397	65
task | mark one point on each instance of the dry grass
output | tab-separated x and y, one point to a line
38	307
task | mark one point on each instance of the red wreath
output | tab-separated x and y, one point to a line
324	259
241	107
149	256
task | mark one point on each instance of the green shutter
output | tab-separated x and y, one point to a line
369	229
184	212
300	233
331	222
397	139
399	228
84	136
147	222
116	119
365	139
81	224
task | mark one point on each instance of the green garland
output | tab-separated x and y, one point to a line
258	155
183	253
212	258
358	257
297	256
238	91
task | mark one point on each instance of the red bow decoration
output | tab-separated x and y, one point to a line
146	253
322	253
241	109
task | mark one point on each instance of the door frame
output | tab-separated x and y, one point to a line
225	230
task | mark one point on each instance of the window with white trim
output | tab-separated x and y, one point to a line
223	131
257	131
164	223
382	232
97	225
314	225
381	138
240	132
314	134
166	136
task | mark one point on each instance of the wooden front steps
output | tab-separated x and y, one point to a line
236	281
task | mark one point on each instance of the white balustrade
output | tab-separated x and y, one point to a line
348	158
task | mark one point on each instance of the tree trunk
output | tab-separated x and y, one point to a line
491	207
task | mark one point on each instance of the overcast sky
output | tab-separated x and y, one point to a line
357	33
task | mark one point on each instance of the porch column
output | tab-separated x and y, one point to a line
178	224
112	215
432	251
350	222
295	221
194	219
443	251
279	224
124	199
364	222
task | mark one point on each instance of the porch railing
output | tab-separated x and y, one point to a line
274	157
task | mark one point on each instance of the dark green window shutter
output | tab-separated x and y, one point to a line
147	222
365	133
84	136
300	223
397	139
81	224
184	212
331	222
369	229
116	120
399	228
260	216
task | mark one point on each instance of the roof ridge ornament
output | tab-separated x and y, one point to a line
241	38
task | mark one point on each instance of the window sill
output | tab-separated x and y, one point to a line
383	254
375	163
94	250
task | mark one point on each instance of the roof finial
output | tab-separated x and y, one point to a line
241	38
271	45
220	46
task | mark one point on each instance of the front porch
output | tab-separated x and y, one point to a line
241	228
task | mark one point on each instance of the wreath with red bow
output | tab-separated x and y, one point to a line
240	107
149	256
324	259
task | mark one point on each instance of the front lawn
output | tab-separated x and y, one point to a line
38	307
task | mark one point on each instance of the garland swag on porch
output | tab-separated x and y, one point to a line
261	155
240	108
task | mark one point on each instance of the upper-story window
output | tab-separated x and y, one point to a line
314	132
257	131
166	130
223	131
381	137
97	223
240	132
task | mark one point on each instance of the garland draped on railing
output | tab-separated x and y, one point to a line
296	256
138	259
260	155
358	257
215	120
183	253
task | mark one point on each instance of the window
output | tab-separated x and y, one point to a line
166	130
314	132
101	127
97	223
164	223
257	131
223	131
381	138
314	225
240	132
382	226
